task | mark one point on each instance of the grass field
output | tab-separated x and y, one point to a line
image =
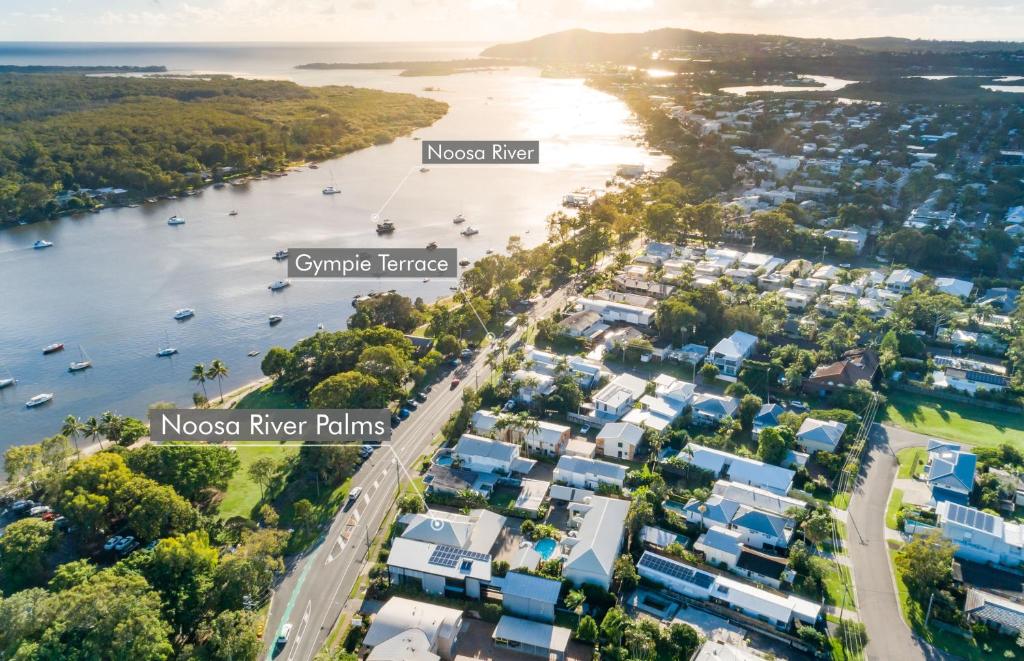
893	509
242	493
971	425
912	461
267	397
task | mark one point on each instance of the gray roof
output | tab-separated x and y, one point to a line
597	467
722	539
533	587
478	446
532	634
600	535
994	608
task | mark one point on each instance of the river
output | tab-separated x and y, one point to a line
112	280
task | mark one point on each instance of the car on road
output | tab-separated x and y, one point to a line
454	362
40	510
466	353
353	495
366	450
282	638
455	383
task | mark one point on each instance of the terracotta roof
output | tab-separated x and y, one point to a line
856	365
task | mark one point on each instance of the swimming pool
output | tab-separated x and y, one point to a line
444	460
545	547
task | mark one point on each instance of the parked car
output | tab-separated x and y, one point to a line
112	542
395	420
421	396
353	495
22	506
404	413
584	430
797	405
411	404
124	543
455	383
466	353
129	547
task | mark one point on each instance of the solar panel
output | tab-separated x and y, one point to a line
450	556
972	518
985	377
674	570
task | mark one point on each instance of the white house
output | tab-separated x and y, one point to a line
728	355
549	439
755	497
532	385
584	473
408	629
592	552
756	528
619	440
820	435
744	470
611	311
959	288
902	280
979	536
544	362
711	409
617	397
485	455
670	399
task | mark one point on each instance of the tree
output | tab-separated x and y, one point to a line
191	469
304	513
199	375
411	503
249	571
70	574
586	631
73	428
218	370
233	636
391	310
926	563
685	639
625	573
350	390
709	371
132	429
614	625
181	569
22	461
818	528
23	549
772	444
155	510
750	405
262	472
276	361
268	515
448	345
385	363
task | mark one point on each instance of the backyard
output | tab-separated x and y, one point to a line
963	423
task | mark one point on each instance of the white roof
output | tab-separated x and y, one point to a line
623	432
532	634
827	432
751	496
399	615
591	466
740	469
415	555
961	288
599	536
410	645
737	345
477	446
904	276
475	532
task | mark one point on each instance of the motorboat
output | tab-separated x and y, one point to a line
426	280
488	252
469	231
424	169
53	348
5	382
385	227
459	219
39	400
464	262
275	319
184	313
278	285
331	190
79	365
233	213
175	220
253	353
40	244
281	254
432	245
166	351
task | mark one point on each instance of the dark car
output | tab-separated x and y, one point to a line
404	413
411	404
455	383
395	420
421	396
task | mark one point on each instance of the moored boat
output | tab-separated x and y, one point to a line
459	219
274	319
432	245
464	262
281	254
39	400
233	213
53	348
166	351
83	362
278	285
469	231
175	220
331	190
184	313
385	227
40	244
9	381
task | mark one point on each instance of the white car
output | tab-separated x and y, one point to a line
353	495
40	510
282	637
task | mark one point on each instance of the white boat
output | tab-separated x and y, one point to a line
469	231
459	219
278	285
281	254
253	353
9	381
385	227
39	400
184	313
232	213
83	362
331	190
274	319
175	220
40	244
166	351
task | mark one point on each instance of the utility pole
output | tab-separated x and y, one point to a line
929	613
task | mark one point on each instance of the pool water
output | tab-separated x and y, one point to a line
444	460
545	547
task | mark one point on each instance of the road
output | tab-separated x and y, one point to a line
317	585
889	636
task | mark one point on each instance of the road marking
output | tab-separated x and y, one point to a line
300	632
376	485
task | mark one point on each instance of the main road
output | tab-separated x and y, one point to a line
317	585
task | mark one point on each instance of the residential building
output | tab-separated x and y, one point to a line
728	355
611	311
979	536
592	552
959	288
531	638
744	470
755	497
485	455
820	435
619	440
585	473
670	399
585	323
767	416
950	472
711	409
615	399
587	371
532	385
855	366
720	546
999	613
408	629
548	439
529	596
755	528
902	280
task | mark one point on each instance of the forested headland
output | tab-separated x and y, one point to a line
150	136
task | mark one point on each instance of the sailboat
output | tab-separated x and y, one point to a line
8	380
167	349
331	190
82	364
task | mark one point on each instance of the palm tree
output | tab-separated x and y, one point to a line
110	426
91	429
72	428
218	370
199	376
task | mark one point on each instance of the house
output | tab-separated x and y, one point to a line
619	440
959	288
728	355
755	497
408	629
744	470
449	480
658	538
529	596
588	473
1013	483
485	455
756	528
902	280
585	323
720	546
531	638
783	612
717	649
711	409
615	399
580	447
611	311
767	416
624	297
592	552
532	385
548	439
690	353
670	399
1003	299
999	613
855	366
981	537
819	435
950	472
587	371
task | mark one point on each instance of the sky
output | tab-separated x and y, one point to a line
494	20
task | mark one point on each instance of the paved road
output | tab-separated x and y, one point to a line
317	585
889	636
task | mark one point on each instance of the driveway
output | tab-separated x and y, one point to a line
889	636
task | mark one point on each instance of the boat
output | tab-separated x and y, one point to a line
39	400
278	285
459	219
175	220
281	254
40	244
274	319
53	348
184	313
469	231
385	227
133	206
8	380
426	279
464	262
424	169
432	245
253	353
166	351
331	190
488	252
83	363
232	213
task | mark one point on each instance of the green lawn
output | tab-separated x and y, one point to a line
893	509
242	494
912	461
267	397
991	646
836	581
971	425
